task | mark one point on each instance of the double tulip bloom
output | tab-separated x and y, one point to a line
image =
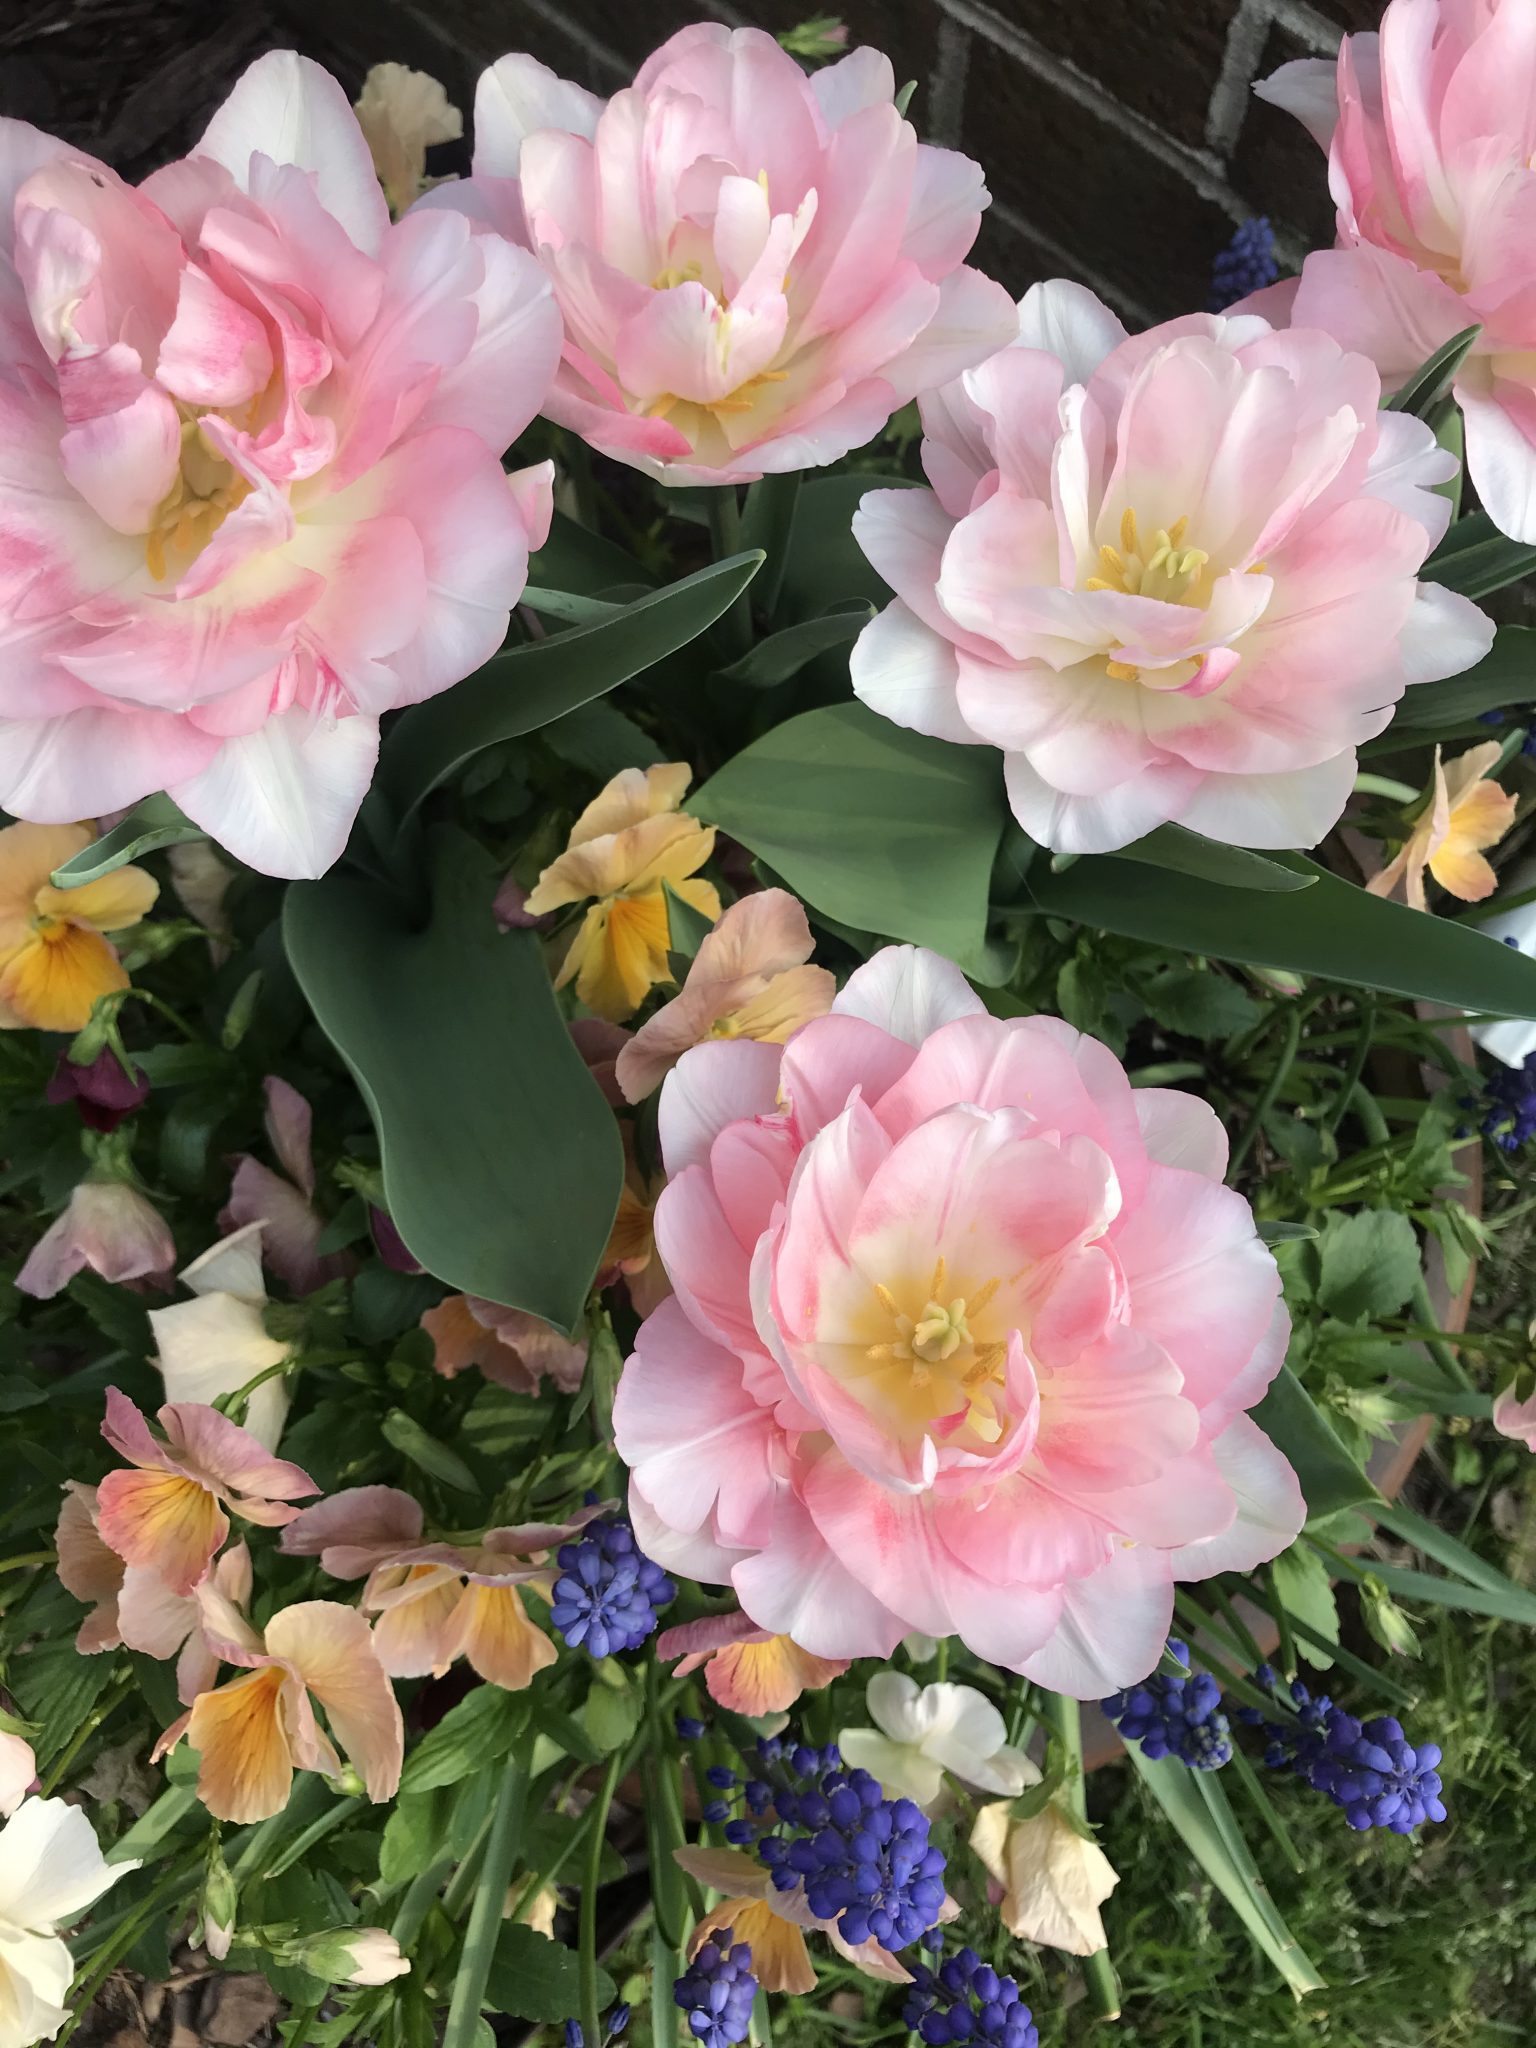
963	1337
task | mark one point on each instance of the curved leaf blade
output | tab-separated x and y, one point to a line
154	822
1331	929
783	654
502	1163
1187	853
878	828
525	687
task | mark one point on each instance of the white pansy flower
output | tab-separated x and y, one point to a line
18	1771
51	1869
218	1342
924	1731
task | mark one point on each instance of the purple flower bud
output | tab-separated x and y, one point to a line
101	1089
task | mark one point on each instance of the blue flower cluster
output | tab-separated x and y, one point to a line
1509	1105
607	1594
1246	265
865	1861
966	2000
1369	1769
1178	1717
613	2027
716	1992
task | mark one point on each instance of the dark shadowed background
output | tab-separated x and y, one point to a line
1120	137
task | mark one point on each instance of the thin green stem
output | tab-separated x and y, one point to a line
485	1914
1357	1059
591	1879
303	2020
462	1884
25	1559
1279	1073
1265	1807
735	628
417	1903
1240	1632
1287	1650
317	1831
1066	1717
110	1954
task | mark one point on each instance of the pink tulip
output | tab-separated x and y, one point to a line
1430	130
251	497
108	1226
963	1335
1173	576
756	268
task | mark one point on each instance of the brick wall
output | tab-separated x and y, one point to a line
1121	138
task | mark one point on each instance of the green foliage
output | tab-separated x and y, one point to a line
1368	1264
534	1978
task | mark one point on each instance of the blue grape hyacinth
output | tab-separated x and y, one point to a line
1369	1769
1177	1717
716	1992
966	2000
608	1594
1246	265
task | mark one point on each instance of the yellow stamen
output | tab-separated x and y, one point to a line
1122	671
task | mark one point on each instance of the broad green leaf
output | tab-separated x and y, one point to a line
825	564
501	1161
1433	379
1330	1478
1476	559
525	687
876	827
1187	853
574	558
153	823
1370	1262
482	1727
1185	1797
570	607
1332	929
783	654
1199	1003
611	1716
1505	675
535	1978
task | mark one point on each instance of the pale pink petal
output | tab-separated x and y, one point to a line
1270	1507
214	1449
1182	1130
283	798
355	1530
1112	1628
709	1088
152	1617
331	1648
909	992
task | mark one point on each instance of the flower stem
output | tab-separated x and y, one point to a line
1066	1717
485	1914
735	627
591	1879
1278	1075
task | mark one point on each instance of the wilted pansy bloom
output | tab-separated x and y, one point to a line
105	1225
963	1337
252	496
1049	1881
628	842
756	268
1172	575
54	959
1430	129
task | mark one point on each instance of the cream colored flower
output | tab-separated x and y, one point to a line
51	1869
1053	1881
402	113
18	1771
1465	814
628	842
218	1342
928	1730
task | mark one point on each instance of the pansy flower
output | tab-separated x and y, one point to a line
54	958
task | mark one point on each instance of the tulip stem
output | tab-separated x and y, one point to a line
1065	1716
480	1935
26	1558
1278	1076
735	626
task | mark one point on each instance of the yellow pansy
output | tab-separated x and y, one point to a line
54	962
629	840
1465	814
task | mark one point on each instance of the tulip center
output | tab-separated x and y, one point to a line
951	1370
207	489
1164	568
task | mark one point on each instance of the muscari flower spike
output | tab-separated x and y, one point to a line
966	2000
608	1594
1247	264
716	1992
864	1861
1371	1772
612	2028
1177	1717
1509	1106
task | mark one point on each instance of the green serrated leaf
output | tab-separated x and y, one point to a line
1369	1264
56	1688
154	822
481	1728
1303	1589
1198	1003
535	1978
